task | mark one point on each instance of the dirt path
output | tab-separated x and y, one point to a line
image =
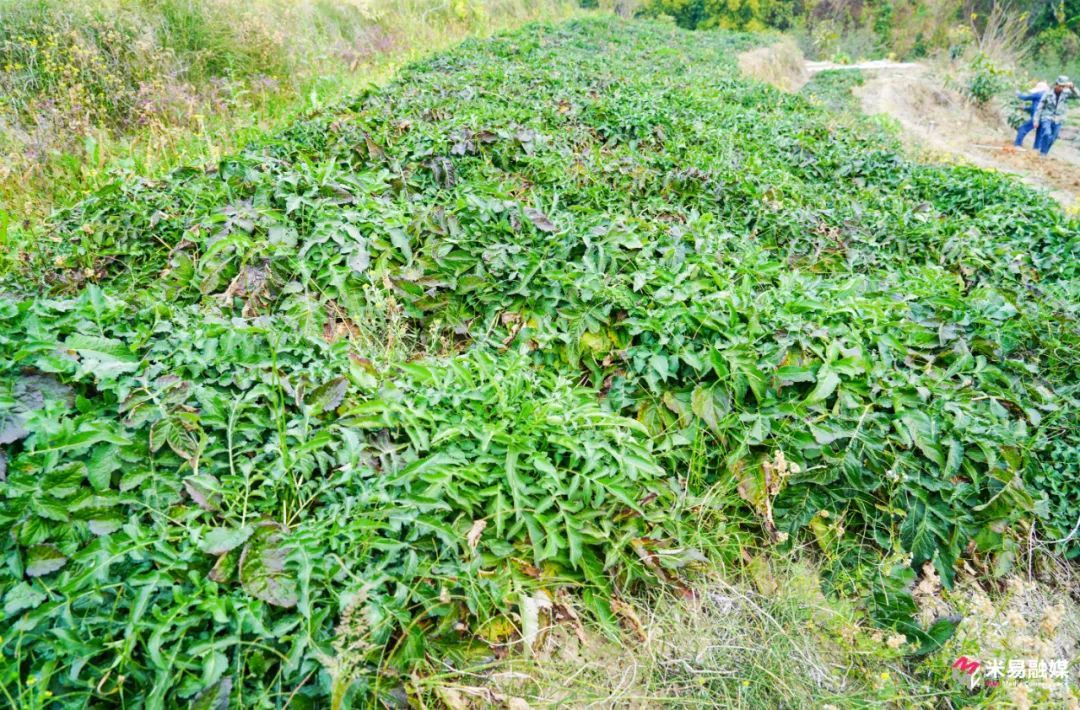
934	120
945	125
876	65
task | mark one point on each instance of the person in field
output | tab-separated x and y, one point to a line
1032	97
1050	113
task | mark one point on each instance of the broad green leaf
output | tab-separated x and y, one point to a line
103	461
104	357
218	541
43	559
262	568
827	382
702	404
21	597
328	396
216	697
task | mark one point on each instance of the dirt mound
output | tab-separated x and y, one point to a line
781	64
934	116
1060	172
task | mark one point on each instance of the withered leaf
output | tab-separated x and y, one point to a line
539	220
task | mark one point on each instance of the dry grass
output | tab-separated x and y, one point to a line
767	636
780	64
1001	35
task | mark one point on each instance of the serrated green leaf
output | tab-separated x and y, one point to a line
43	559
218	541
21	597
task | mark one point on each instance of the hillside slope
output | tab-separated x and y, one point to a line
551	317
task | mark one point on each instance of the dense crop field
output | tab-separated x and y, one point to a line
552	317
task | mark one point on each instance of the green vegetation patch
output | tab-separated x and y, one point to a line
565	311
836	87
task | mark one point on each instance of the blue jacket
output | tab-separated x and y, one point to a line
1034	98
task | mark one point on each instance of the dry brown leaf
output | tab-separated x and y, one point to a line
638	545
762	576
473	536
486	695
528	569
531	606
540	220
564	608
452	699
630	616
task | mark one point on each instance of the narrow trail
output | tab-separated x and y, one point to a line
876	65
933	119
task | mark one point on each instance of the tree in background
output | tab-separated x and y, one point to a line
1055	25
882	25
907	28
1052	14
751	15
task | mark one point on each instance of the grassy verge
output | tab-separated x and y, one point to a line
94	87
765	635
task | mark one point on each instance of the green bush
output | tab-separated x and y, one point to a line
1048	16
986	81
91	85
219	39
750	15
1059	44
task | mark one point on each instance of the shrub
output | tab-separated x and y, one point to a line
725	14
986	81
1058	45
151	83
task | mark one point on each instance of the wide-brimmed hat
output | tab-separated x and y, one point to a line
1041	86
1062	80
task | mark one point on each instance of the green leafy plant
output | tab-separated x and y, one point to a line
504	340
986	81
